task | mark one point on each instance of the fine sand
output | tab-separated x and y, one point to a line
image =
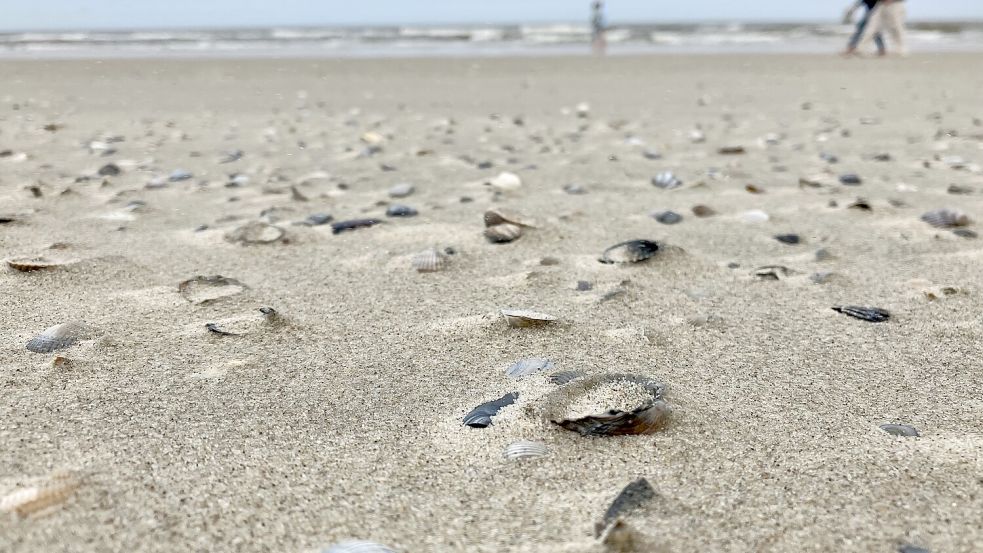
342	418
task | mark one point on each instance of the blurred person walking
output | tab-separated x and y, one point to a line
598	27
868	6
889	17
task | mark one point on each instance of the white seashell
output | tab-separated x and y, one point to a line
357	546
26	501
372	138
582	109
204	289
525	367
505	181
255	233
401	190
57	337
520	318
503	233
754	216
946	218
429	261
525	449
666	180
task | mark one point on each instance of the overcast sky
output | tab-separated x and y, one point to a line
114	14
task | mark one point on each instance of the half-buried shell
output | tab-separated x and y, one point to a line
429	261
631	251
204	289
503	233
357	546
43	497
498	216
255	232
481	416
525	449
565	377
522	318
28	264
353	224
869	314
632	497
57	337
904	430
946	218
526	367
651	415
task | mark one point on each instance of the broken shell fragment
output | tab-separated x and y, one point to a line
772	272
648	417
498	216
666	181
564	377
525	367
522	318
356	546
204	289
481	416
870	314
57	337
903	430
631	498
731	150
505	181
28	264
703	211
631	251
503	233
525	449
255	232
946	218
41	498
429	261
214	328
352	224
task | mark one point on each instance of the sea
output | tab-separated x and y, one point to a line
473	41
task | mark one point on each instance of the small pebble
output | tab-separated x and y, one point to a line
667	217
903	430
401	190
399	210
851	179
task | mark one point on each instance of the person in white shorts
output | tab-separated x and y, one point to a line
889	18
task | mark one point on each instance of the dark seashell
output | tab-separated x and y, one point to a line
870	314
204	289
358	546
485	165
960	190
564	377
881	157
232	156
861	204
851	179
56	337
965	233
213	327
651	154
503	233
318	219
179	175
481	416
772	272
667	217
526	367
399	210
109	170
946	218
909	548
632	251
583	285
731	150
352	224
650	416
754	189
255	232
666	181
829	158
904	430
703	211
632	497
788	238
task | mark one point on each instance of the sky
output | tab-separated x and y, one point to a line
21	15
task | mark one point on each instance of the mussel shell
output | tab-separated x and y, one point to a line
255	232
636	494
204	289
904	430
522	318
56	337
946	218
503	233
631	251
525	449
357	546
481	416
651	416
525	367
870	314
352	224
429	261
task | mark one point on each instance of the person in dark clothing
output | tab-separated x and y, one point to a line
869	6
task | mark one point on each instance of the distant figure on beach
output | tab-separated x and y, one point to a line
888	16
868	6
597	26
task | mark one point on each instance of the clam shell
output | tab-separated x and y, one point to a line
481	416
521	318
564	377
505	181
666	181
429	261
204	289
357	546
525	449
525	367
255	232
498	216
503	233
651	416
28	264
633	496
946	218
904	430
54	491
869	314
57	337
631	251
352	224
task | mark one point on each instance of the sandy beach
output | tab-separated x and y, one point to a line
340	416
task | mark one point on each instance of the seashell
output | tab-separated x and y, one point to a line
575	189
632	251
525	367
401	190
522	318
965	233
57	337
666	181
696	136
703	211
851	179
35	499
255	232
909	548
829	158
317	219
525	449
584	286
28	264
651	416
860	204
667	217
582	109
372	138
791	239
214	328
772	272
204	289
903	430
505	181
633	496
497	216
178	175
754	216
109	170
870	314
503	233
357	546
399	210
352	224
754	189
959	190
481	416
946	218
731	150
564	377
429	261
